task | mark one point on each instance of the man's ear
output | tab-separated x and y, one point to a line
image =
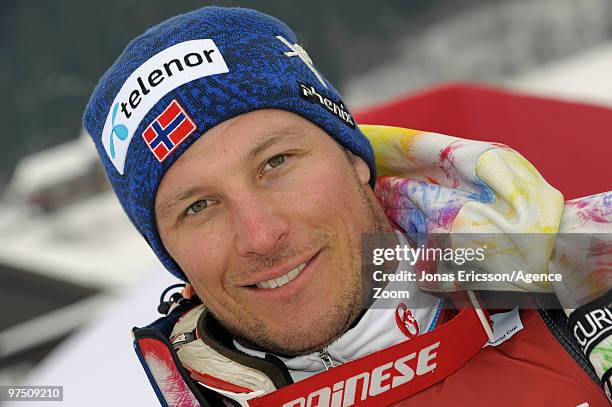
362	169
188	291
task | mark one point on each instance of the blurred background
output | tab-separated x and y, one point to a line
75	276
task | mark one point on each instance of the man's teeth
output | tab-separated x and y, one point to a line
282	280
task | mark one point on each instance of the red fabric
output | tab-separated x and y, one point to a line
165	373
569	143
529	369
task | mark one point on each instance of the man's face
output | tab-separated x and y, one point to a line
264	214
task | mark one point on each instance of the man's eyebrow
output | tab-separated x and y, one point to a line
276	136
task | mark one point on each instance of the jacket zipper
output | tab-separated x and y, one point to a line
326	359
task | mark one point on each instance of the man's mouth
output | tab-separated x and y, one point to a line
281	282
284	279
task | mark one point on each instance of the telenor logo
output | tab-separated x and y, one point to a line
118	130
159	75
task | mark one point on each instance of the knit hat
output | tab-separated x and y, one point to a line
185	76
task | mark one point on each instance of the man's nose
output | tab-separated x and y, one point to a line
261	226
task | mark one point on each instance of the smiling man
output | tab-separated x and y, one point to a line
245	172
264	215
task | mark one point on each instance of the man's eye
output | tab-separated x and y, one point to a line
275	161
197	206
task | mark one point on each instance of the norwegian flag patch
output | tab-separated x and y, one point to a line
168	130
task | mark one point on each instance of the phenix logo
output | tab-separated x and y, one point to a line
309	93
365	385
149	83
297	50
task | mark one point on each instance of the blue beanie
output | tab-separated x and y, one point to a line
185	76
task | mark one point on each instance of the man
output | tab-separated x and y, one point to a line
247	175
